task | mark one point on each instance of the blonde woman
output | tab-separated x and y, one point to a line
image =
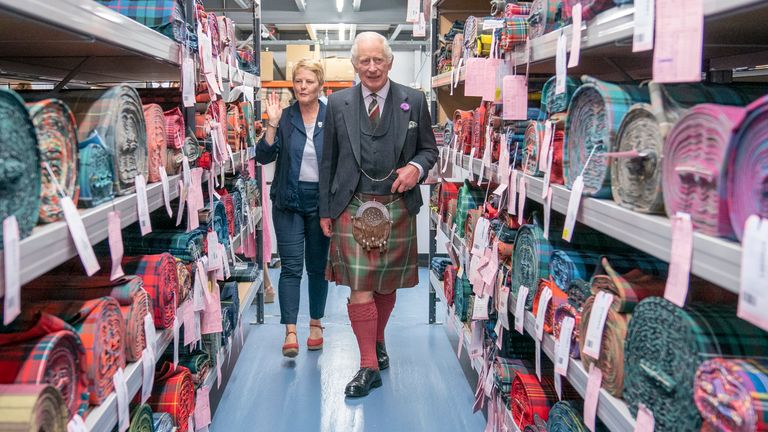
294	137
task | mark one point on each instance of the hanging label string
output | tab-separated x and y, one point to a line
588	160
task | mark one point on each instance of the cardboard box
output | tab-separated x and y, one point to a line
338	69
295	53
267	66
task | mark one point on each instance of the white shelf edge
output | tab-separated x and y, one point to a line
246	303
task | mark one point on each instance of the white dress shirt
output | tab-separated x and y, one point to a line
309	170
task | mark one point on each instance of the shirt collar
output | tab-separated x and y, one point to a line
382	93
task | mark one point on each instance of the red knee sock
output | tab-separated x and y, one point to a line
384	305
364	320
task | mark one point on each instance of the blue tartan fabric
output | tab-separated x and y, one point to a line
186	246
165	16
244	272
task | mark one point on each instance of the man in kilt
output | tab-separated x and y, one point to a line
378	146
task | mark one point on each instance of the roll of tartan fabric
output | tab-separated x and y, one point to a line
461	294
118	116
191	149
731	394
565	416
558	297
229	208
184	273
173	161
165	16
530	397
239	212
589	8
101	327
568	265
630	282
545	16
174	128
578	292
244	272
47	350
249	128
694	167
746	167
611	361
514	32
218	221
469	197
504	373
530	260
95	173
235	133
161	282
20	180
32	408
141	419
187	246
664	347
156	141
534	135
163	422
57	142
230	295
173	393
199	365
227	322
212	346
561	312
552	103
594	117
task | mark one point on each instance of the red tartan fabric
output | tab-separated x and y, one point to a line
157	154
350	265
530	397
48	352
558	297
174	128
161	282
174	393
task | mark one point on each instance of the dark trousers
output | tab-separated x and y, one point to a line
300	239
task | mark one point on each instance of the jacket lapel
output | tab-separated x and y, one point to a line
400	117
351	119
317	137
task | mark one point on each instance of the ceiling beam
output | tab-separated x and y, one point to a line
327	15
356	5
352	31
312	32
336	44
243	3
301	4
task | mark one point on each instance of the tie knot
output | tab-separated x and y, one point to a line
374	95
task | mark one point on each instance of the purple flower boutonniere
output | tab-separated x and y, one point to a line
405	107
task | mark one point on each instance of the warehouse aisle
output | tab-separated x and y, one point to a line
424	388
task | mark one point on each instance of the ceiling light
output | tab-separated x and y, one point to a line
341	31
339	5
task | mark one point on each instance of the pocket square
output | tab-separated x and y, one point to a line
412	125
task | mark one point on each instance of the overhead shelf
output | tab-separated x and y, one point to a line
444	79
714	259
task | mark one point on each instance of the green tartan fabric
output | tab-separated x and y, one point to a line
470	197
530	261
186	246
462	292
350	265
552	103
164	16
665	345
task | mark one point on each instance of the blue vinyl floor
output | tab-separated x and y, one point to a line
424	388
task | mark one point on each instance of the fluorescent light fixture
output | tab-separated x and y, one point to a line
341	31
339	5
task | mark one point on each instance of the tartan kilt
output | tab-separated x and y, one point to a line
350	265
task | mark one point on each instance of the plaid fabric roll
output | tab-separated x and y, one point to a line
529	397
696	149
244	272
589	8
187	246
561	312
174	128
534	135
515	31
646	278
101	327
504	371
594	116
161	282
57	141
611	361
229	208
212	346
218	221
231	295
32	408
163	422
545	16
567	265
731	394
238	213
462	290
173	393
47	351
156	141
95	173
141	419
664	347
183	272
192	149
20	156
235	133
565	416
558	297
164	16
530	260
118	116
578	292
199	365
350	265
248	126
552	103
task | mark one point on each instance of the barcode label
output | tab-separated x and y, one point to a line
750	299
640	38
560	360
589	344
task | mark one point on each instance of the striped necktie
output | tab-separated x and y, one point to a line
373	111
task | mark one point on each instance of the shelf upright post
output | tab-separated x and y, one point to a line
189	113
433	109
256	41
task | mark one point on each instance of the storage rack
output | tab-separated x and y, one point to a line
82	42
730	32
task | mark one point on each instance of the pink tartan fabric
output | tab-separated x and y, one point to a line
350	265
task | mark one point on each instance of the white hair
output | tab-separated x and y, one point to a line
370	37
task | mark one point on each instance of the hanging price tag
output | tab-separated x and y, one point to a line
77	424
480	310
188	82
558	379
512	195
521	201
522	295
79	236
538	359
499	330
147	373
545	145
412	13
514	91
680	37
560	62
420	29
123	410
115	233
563	348
166	191
150	334
676	289
594	381
476	342
503	312
176	326
547	211
753	298
573	208
544	300
645	421
141	196
203	407
12	269
200	287
642	39
182	201
596	326
214	252
573	60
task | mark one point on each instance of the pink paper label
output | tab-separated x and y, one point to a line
115	244
594	381
212	313
676	289
489	79
473	83
515	96
203	407
679	40
645	421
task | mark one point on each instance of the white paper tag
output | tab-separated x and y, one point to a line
115	234
79	236
166	191
521	200
123	410
573	60
12	269
150	334
141	196
148	374
214	252
503	312
544	146
77	424
753	298
538	359
642	39
547	212
188	82
412	12
560	63
597	317
479	242
420	28
563	348
559	386
573	208
176	326
512	195
200	287
480	309
522	295
544	300
219	361
183	192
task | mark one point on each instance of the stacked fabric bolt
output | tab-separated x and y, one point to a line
161	281
198	363
235	133
590	8
163	422
565	416
46	350
229	208
95	172
239	212
32	408
553	103
558	297
187	246
101	327
546	16
20	175
174	393
184	274
469	197
504	372
594	117
141	419
174	128
165	16
230	303
244	272
666	344
731	394
249	129
438	266
118	116
561	312
218	221
156	141
515	345
534	140
462	291
57	140
212	346
530	397
568	265
530	261
449	288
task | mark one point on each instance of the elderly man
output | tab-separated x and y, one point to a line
378	147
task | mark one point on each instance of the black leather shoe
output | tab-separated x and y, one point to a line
365	380
382	356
